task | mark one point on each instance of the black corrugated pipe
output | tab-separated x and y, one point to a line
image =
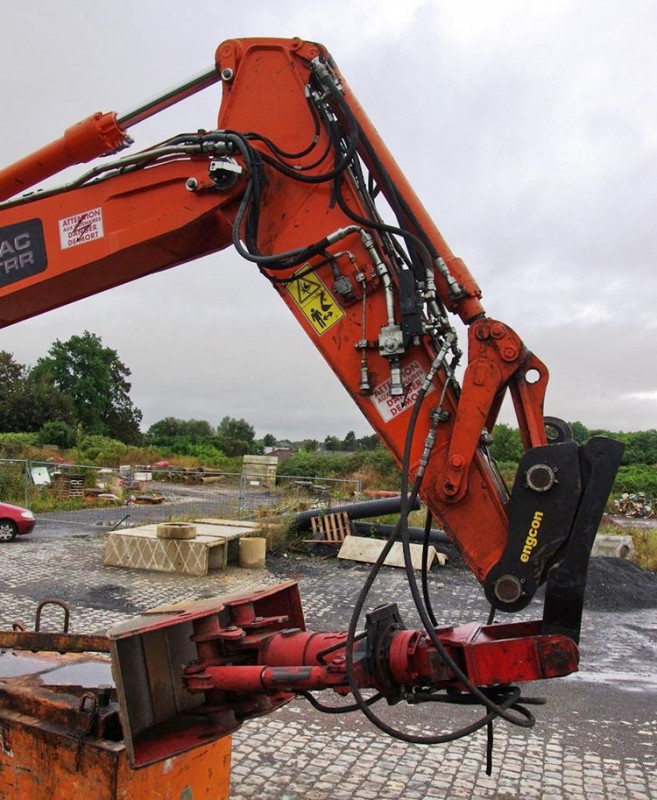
368	508
436	536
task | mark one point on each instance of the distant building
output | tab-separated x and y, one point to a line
281	451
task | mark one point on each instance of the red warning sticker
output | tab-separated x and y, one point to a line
390	406
81	228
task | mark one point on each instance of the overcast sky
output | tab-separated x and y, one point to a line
528	129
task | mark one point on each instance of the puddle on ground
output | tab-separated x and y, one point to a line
628	681
13	665
87	674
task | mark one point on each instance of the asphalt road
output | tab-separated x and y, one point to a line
181	502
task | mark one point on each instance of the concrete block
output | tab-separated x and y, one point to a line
253	552
613	546
213	548
360	548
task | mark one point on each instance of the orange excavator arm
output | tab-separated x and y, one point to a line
291	177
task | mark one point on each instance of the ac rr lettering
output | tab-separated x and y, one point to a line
16	253
18	262
22	251
18	243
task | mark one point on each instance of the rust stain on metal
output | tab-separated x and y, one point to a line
53	642
61	739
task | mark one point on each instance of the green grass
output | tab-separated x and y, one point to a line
645	544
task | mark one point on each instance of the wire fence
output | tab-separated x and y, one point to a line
129	496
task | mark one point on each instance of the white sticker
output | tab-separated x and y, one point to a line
81	228
392	406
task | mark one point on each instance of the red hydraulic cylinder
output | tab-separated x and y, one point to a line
98	135
92	137
252	680
253	653
296	660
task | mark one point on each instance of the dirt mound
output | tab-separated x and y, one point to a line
615	584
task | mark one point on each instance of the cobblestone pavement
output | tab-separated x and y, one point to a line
596	739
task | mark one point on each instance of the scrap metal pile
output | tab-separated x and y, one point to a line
634	505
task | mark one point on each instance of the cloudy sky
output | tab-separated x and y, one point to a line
528	129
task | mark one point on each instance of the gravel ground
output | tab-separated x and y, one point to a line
596	739
615	584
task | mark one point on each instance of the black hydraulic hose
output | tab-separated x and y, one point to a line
521	717
338	168
347	709
415	535
409	237
364	509
426	534
282	153
394	196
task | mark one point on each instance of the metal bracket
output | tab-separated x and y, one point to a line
600	459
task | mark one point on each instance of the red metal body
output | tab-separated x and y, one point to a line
151	221
290	661
290	178
246	656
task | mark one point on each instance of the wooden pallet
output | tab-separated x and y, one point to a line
330	528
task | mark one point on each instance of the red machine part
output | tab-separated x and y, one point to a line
174	210
290	178
252	653
292	660
247	656
95	136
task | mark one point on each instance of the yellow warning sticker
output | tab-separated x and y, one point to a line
315	301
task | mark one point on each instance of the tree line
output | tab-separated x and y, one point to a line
640	446
195	437
82	387
236	437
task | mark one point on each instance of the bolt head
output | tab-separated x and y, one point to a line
540	477
508	589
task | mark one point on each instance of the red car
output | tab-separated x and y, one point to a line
14	520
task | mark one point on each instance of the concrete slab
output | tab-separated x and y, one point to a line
613	546
360	548
211	523
216	544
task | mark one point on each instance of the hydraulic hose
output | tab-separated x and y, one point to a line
364	509
436	536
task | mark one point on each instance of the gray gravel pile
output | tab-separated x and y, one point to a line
615	584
